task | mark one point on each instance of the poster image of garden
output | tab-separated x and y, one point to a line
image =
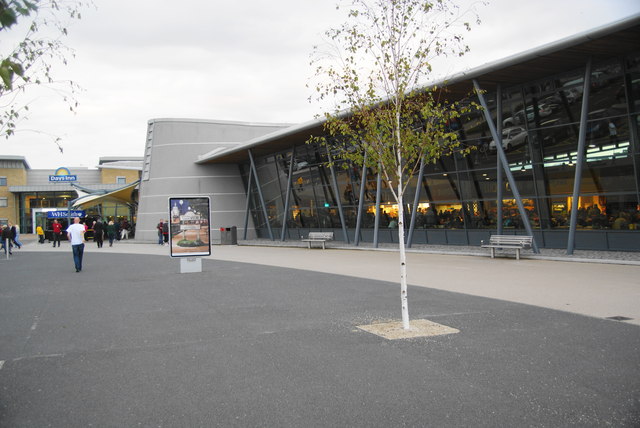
189	226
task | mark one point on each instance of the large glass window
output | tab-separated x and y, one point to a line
541	123
442	187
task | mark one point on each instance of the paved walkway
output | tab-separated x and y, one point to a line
268	336
598	284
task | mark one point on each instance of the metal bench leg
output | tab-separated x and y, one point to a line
309	244
493	252
323	245
517	253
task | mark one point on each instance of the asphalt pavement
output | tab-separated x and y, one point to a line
130	341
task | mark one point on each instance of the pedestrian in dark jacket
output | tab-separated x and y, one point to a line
6	239
98	232
165	231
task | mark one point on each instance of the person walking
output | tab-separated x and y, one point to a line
6	239
40	233
57	232
159	227
75	233
15	235
165	231
111	232
124	230
98	232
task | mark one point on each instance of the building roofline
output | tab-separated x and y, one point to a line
219	122
490	71
16	158
542	50
107	159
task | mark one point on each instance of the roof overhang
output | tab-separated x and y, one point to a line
602	43
274	142
123	195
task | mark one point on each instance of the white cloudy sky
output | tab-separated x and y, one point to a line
233	60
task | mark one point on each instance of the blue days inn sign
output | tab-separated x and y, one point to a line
62	175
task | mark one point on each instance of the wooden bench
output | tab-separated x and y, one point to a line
318	237
517	242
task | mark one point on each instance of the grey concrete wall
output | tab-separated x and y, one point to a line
173	146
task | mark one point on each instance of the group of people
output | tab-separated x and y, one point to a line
108	231
10	237
75	233
111	231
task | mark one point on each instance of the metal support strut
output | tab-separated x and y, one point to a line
582	136
259	189
505	165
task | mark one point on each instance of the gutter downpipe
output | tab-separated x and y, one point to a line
286	200
337	196
582	136
377	218
264	206
505	165
414	209
363	183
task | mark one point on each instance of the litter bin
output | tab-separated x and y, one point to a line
229	235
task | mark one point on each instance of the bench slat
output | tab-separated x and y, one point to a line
318	237
516	242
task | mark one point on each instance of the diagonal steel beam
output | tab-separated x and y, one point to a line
582	136
286	199
505	165
259	189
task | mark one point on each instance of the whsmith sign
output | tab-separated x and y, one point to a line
66	214
63	174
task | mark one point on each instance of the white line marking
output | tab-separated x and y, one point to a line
31	357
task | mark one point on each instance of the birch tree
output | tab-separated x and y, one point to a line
31	48
385	117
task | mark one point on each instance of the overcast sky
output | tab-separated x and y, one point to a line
233	60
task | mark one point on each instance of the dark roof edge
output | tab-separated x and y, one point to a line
542	50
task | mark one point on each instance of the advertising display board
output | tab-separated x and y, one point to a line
189	226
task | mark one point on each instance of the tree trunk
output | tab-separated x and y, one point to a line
403	256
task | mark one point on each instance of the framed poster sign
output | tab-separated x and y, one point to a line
189	226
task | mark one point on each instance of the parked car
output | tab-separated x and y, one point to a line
544	110
511	138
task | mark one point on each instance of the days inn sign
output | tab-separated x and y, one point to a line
62	174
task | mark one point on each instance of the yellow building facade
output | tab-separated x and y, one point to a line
35	197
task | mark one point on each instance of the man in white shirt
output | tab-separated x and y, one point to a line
75	233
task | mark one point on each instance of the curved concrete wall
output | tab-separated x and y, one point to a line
172	147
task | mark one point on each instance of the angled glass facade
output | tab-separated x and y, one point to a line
457	200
